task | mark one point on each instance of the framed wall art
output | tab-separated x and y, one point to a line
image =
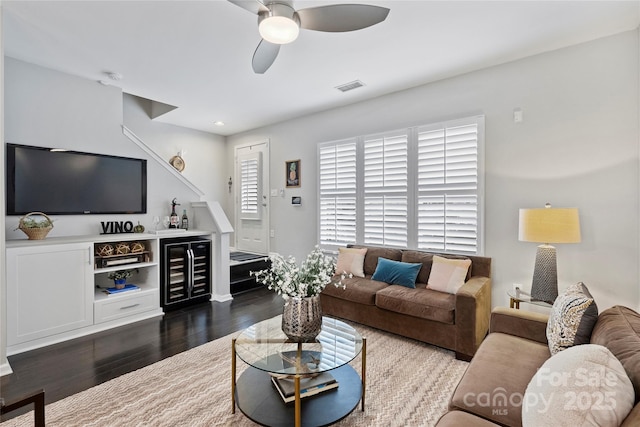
292	173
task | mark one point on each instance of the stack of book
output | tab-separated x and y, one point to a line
127	288
309	386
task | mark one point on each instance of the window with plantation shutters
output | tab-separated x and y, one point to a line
385	190
447	188
337	184
250	171
417	188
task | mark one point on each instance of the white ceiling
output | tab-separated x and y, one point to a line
196	55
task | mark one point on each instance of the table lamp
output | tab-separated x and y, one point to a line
548	225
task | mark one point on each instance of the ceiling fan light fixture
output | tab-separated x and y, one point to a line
280	25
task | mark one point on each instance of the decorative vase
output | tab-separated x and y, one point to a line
302	318
120	283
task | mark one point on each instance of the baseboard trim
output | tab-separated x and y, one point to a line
5	369
221	298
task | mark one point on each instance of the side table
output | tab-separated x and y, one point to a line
518	295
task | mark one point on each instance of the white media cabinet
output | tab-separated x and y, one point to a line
53	294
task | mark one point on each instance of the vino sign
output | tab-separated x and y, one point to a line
116	227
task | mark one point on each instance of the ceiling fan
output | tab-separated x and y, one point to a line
279	23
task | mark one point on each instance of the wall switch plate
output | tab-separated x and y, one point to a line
272	233
274	192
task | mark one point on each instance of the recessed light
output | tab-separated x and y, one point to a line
219	123
58	150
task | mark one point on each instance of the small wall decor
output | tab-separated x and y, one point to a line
292	173
296	200
177	162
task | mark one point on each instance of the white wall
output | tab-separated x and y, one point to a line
577	147
204	152
52	109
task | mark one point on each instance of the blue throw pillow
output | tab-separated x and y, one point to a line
396	272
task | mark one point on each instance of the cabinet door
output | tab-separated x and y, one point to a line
49	290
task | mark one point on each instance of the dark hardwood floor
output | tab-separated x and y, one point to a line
76	365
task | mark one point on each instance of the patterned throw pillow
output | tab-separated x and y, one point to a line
351	261
573	316
448	275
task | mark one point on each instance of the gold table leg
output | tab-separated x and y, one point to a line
298	418
233	376
364	370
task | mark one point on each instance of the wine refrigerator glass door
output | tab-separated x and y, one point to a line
201	270
176	274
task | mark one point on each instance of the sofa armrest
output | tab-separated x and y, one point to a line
520	323
473	309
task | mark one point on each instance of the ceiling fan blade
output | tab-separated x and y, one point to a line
264	56
253	6
341	17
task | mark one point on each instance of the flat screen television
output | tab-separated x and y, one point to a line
73	183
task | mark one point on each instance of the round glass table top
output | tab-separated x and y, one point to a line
264	346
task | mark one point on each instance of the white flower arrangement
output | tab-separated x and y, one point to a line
291	281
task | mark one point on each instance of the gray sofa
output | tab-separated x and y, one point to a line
457	322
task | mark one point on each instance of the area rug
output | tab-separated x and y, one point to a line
409	383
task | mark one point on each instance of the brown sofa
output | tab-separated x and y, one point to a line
516	348
457	322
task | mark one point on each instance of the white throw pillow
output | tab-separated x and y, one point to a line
583	385
448	275
351	261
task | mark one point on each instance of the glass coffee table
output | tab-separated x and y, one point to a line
268	352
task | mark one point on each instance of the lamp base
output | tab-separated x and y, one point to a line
545	275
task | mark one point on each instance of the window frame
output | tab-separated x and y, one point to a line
412	190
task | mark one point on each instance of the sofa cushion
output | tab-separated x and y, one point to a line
420	302
448	275
426	259
618	329
497	378
351	261
396	272
580	386
572	317
356	289
373	253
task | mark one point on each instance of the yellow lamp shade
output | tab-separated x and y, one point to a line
549	225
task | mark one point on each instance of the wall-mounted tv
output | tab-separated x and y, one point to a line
73	183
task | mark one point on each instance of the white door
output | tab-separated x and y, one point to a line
252	197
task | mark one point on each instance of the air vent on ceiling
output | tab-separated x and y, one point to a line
350	86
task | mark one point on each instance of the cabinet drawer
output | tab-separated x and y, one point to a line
123	306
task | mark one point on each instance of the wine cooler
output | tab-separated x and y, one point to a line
186	272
